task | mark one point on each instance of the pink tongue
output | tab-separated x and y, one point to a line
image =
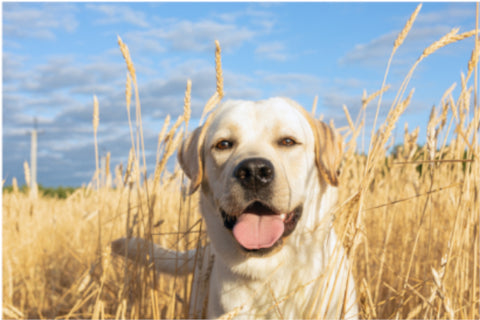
255	232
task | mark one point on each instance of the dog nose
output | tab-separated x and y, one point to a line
254	173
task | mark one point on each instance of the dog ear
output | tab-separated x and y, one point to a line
328	151
328	146
190	157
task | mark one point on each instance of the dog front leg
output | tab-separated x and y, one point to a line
164	260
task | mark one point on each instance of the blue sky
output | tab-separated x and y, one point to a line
56	56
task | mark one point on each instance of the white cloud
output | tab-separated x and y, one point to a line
374	52
232	29
63	72
119	13
12	64
263	20
199	36
453	14
428	27
241	86
293	84
272	50
41	22
378	50
191	36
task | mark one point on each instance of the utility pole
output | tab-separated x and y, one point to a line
33	157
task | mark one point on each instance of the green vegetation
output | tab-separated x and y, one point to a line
52	192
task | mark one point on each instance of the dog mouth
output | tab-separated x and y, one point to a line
260	229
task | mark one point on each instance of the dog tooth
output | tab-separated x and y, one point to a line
283	216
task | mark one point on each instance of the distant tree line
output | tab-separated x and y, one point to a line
53	192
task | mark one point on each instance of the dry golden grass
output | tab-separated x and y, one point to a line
408	220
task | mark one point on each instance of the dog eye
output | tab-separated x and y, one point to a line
287	142
224	145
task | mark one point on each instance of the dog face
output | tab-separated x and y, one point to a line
259	165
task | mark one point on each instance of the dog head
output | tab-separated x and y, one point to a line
261	167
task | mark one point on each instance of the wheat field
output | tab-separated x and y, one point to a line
409	219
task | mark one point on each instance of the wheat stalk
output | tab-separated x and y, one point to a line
26	172
128	100
353	132
443	116
108	174
218	68
474	65
14	185
349	119
379	140
138	113
119	176
447	39
96	117
448	93
473	61
129	178
410	141
128	92
187	107
392	119
367	100
431	142
218	95
406	29
314	106
128	59
95	122
34	247
398	42
175	126
171	144
161	136
210	105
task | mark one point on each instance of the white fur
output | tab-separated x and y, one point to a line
309	277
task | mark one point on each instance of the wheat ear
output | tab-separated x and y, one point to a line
447	39
138	113
367	100
406	29
218	95
218	68
398	42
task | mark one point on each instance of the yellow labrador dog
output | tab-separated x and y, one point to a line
267	173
